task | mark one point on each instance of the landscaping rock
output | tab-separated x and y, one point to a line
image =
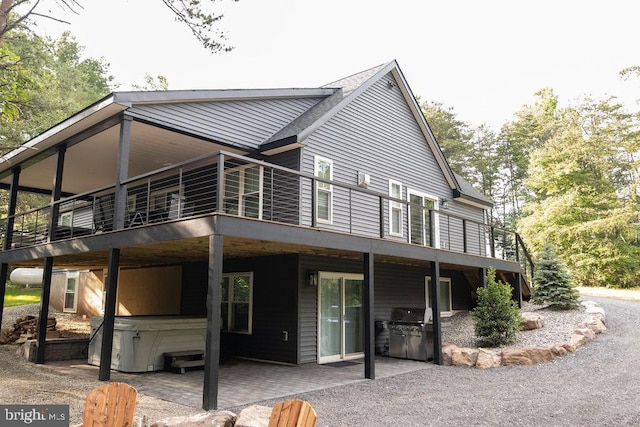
464	357
598	312
558	350
447	353
254	416
531	321
488	359
595	324
526	356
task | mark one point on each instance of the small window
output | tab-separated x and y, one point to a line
445	295
66	219
236	310
71	292
324	190
395	209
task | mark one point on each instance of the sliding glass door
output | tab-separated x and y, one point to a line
340	317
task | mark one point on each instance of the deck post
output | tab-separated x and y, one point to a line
56	193
434	290
109	314
212	345
8	234
122	172
44	309
369	323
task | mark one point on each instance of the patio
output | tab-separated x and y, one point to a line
243	382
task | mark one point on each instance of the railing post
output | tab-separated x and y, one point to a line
381	213
464	236
432	231
493	242
314	190
220	186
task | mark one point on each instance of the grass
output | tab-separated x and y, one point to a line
15	295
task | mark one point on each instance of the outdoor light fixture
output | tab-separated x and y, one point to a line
312	278
444	203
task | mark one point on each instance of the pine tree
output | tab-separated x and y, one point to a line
552	282
497	317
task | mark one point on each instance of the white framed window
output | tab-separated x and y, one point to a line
71	292
236	306
445	295
395	209
419	219
159	200
66	219
243	189
324	191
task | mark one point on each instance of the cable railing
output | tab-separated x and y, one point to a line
231	184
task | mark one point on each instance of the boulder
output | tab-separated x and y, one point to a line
531	321
586	332
558	350
595	324
488	358
447	350
578	340
254	416
526	356
464	357
212	419
597	312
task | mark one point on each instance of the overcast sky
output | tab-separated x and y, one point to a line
484	58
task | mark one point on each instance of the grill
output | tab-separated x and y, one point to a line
411	333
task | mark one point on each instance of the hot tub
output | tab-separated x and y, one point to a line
139	341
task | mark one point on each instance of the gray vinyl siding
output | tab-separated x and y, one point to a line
246	123
375	134
451	229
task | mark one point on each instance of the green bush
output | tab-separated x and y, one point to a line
497	317
552	282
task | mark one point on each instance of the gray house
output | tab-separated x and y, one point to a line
290	221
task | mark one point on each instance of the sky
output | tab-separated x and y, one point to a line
485	59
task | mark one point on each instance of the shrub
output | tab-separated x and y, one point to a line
552	282
497	317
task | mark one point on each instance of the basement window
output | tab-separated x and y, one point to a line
236	308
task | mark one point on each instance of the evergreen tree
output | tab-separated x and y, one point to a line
552	282
497	317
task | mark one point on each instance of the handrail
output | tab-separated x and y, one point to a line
463	235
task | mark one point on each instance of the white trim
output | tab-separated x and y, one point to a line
75	275
436	225
321	186
395	205
230	303
447	280
342	355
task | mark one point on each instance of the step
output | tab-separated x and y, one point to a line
181	366
183	353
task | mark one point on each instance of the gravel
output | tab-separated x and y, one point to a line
597	385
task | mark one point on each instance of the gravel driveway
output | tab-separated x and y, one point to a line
599	385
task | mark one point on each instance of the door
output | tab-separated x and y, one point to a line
340	317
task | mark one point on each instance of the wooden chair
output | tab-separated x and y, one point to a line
110	405
292	413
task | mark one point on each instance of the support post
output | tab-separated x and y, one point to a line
109	314
434	290
369	323
44	309
8	234
212	345
122	172
56	193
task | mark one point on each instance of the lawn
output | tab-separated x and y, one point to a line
15	295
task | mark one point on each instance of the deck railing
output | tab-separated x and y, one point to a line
227	183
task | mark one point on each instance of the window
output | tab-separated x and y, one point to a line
160	198
243	191
420	219
71	292
445	295
66	219
237	302
395	209
324	195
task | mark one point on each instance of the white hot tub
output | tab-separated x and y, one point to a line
139	341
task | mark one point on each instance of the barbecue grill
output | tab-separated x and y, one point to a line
411	333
